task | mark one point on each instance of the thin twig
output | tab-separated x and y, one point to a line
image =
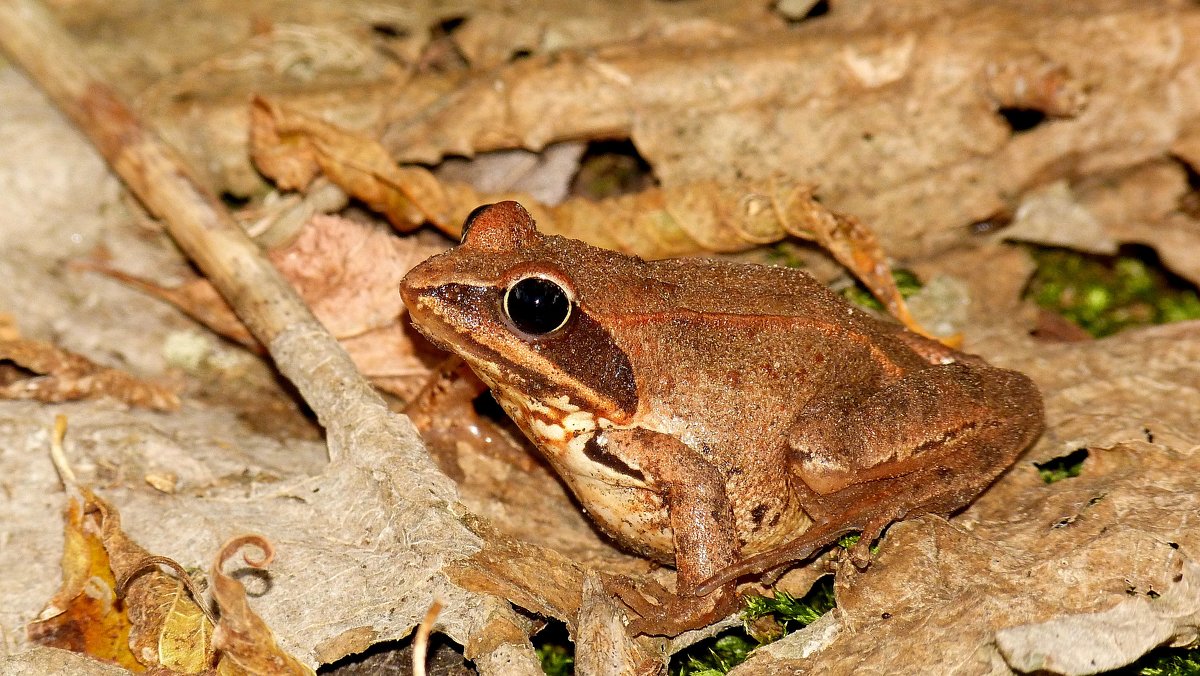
58	455
191	214
421	640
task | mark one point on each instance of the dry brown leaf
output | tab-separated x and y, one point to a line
897	121
146	618
350	60
41	371
293	148
197	298
246	643
1103	641
349	273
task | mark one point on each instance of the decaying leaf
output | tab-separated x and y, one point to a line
116	603
86	615
1103	641
245	641
900	125
31	369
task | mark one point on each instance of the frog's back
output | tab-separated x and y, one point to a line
718	292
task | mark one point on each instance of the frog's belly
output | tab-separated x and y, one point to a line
616	496
635	517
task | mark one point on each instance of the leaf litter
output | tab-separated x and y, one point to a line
1093	542
116	603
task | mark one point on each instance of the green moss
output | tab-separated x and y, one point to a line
790	612
848	541
1106	294
1164	662
1064	467
554	648
906	282
767	619
714	657
557	660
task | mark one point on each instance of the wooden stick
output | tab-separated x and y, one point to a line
192	215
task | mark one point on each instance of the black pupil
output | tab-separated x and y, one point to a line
537	306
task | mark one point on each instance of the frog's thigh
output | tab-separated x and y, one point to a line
957	418
694	490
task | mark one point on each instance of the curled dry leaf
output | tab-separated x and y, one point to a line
293	149
117	604
31	369
245	641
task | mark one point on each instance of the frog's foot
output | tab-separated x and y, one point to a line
664	613
637	597
860	552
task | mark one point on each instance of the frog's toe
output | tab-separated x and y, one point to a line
632	595
680	614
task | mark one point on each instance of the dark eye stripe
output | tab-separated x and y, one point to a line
586	353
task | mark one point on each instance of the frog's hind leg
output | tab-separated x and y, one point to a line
927	443
866	512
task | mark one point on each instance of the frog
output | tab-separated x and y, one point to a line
723	418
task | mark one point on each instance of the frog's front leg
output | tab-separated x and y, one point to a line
702	528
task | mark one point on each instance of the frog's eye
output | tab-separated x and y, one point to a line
537	305
471	220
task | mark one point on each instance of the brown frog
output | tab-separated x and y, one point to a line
723	418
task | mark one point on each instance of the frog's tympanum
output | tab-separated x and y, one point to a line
723	418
